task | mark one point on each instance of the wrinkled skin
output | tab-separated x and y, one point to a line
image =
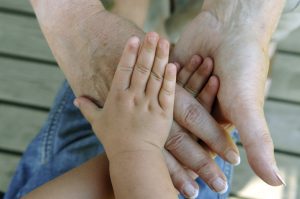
241	63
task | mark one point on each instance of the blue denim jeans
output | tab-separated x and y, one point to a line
65	142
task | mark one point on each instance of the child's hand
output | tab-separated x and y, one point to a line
138	112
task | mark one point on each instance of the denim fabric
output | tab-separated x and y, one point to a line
65	142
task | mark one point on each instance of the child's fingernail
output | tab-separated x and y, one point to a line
76	103
190	191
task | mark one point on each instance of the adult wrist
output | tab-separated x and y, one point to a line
259	16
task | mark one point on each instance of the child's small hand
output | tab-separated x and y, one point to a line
138	112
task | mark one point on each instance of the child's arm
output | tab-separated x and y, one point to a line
136	119
141	174
89	181
92	181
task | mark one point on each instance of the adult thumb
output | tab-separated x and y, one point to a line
257	141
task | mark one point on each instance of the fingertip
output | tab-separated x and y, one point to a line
76	103
171	70
152	37
190	190
209	61
133	42
214	81
196	60
178	67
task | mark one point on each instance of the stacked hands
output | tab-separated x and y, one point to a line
137	116
138	113
211	93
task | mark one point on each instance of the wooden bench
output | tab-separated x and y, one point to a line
29	79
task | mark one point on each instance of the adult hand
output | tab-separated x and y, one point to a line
188	112
241	63
78	35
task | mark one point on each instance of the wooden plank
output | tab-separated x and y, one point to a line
8	166
247	184
286	77
19	126
22	36
21	5
28	82
291	43
284	124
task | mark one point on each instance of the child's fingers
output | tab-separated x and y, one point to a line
124	70
167	92
88	108
144	63
186	72
209	93
198	79
157	73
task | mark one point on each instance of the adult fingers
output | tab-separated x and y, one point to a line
198	160
208	94
180	178
192	116
257	142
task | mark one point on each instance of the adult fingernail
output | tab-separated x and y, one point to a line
232	157
190	191
279	177
220	186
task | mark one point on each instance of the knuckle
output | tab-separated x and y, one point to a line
191	91
168	92
142	69
191	115
156	76
175	141
204	167
267	139
126	68
120	97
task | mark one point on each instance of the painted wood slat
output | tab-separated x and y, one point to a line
8	165
22	36
291	43
286	77
19	126
21	5
284	124
28	82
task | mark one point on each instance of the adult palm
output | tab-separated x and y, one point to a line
241	63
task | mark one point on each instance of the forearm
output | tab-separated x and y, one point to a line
90	180
141	175
259	17
86	40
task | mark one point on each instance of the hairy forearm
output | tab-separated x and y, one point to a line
86	40
257	16
141	174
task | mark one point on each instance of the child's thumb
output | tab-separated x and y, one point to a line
88	108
